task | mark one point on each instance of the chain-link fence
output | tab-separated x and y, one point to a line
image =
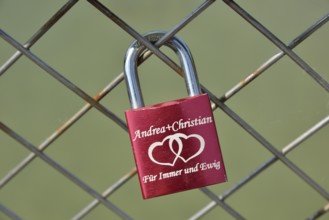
272	128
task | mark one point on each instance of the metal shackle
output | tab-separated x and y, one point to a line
130	67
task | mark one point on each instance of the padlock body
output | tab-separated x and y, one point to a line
175	146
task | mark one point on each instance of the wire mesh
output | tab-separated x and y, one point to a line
215	200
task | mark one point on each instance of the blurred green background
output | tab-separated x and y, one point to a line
88	49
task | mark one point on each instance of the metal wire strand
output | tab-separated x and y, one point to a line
275	40
221	203
324	210
121	23
292	145
62	79
9	213
58	132
63	171
105	194
250	130
275	58
48	25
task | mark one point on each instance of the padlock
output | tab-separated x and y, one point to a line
175	143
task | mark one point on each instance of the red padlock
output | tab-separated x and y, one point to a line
175	143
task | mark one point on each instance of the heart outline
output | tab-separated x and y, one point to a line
177	137
159	144
201	147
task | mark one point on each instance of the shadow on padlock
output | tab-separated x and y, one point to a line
175	143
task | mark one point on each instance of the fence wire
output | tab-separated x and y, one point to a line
218	102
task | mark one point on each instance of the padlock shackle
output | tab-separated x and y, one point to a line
130	67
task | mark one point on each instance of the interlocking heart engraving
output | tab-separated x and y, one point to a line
178	153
